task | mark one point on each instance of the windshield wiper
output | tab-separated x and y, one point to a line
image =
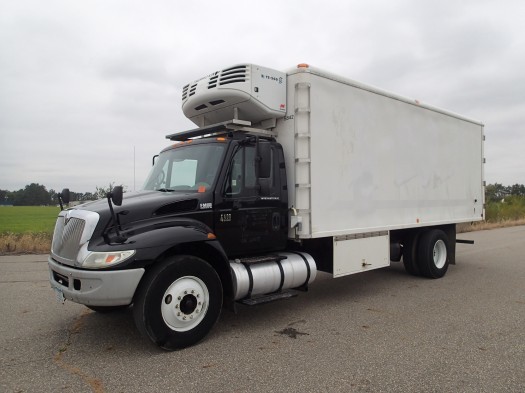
165	189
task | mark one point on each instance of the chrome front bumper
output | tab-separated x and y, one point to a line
95	287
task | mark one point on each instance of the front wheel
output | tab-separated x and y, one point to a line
433	253
179	302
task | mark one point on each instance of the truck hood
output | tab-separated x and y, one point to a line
144	205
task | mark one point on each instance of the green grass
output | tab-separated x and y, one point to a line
28	229
28	219
512	208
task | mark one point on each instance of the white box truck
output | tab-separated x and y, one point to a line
287	174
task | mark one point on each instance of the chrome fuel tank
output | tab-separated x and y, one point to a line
290	270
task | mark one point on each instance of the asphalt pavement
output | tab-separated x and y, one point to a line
380	331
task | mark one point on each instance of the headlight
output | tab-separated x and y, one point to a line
100	260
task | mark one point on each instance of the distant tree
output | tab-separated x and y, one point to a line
33	194
88	196
52	197
101	192
495	192
5	197
517	189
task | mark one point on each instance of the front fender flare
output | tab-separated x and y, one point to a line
157	242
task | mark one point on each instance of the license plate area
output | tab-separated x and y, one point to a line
59	294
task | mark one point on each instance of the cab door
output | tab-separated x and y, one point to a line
248	218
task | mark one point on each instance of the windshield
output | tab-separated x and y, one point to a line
188	168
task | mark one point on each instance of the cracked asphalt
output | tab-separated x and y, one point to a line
380	331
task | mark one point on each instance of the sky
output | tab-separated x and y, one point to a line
90	89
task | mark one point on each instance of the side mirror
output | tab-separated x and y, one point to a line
65	196
116	195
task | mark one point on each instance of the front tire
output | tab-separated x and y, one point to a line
433	253
178	302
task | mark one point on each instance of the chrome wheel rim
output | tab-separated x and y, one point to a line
440	254
185	303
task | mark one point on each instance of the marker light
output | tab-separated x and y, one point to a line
302	65
101	260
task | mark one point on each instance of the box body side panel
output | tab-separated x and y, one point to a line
380	163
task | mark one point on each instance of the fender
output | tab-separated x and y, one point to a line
155	239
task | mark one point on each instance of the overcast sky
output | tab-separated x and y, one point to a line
85	84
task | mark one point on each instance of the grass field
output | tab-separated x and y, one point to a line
29	229
28	219
26	229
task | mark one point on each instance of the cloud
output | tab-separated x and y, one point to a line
85	84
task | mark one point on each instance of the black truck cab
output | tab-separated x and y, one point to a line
235	186
209	227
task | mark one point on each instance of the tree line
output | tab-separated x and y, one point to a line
498	192
35	194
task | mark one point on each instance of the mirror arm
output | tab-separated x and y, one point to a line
63	197
116	194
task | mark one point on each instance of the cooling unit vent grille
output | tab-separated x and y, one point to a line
229	75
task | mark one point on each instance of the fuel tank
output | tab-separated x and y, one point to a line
287	270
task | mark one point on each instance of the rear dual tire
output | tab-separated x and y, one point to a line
427	254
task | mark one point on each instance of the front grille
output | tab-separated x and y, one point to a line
73	230
66	239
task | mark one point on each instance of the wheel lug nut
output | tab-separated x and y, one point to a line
179	298
191	316
176	306
178	314
185	292
184	318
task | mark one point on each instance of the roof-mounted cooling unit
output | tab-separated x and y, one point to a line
246	92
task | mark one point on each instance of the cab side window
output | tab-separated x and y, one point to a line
241	179
234	178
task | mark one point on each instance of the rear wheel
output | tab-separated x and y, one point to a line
410	254
179	302
433	253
